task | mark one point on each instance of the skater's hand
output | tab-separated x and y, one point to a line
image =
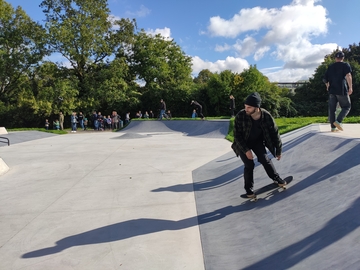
249	155
350	91
278	157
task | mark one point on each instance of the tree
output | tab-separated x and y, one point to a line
218	90
162	69
83	33
21	48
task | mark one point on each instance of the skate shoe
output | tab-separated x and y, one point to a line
338	125
250	193
334	130
280	182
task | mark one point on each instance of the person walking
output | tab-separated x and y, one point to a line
198	108
255	128
232	105
338	81
61	120
162	109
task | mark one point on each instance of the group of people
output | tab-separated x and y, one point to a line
146	115
255	128
79	120
58	124
100	122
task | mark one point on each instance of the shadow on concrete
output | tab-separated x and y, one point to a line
334	230
133	228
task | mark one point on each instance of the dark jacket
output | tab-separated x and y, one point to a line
335	76
162	105
242	129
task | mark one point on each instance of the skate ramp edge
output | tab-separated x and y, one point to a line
3	167
204	129
3	131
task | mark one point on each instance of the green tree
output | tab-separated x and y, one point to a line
21	48
83	33
219	89
163	71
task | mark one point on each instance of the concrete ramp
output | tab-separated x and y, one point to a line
315	224
204	129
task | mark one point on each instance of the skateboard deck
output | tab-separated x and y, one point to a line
270	187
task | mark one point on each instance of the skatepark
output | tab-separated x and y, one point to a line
166	195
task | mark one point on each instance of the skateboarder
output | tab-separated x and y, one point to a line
198	108
254	129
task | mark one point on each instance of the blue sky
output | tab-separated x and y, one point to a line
285	39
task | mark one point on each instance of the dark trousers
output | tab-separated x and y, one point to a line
200	113
345	104
249	165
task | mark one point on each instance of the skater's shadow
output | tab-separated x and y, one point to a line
132	228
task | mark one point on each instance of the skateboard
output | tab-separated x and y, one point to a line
270	187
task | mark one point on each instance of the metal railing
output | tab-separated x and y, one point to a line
6	140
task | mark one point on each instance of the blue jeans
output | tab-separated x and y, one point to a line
81	123
73	126
345	104
161	114
96	124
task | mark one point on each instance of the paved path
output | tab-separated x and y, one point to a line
165	195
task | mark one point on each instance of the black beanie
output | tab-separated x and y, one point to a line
253	100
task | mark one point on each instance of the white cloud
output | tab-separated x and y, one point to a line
142	12
288	75
245	47
260	53
165	32
230	63
246	20
282	33
222	48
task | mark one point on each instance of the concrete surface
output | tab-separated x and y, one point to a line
165	195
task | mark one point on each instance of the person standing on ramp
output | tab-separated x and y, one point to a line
338	81
255	128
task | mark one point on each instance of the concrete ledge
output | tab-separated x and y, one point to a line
3	167
3	131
